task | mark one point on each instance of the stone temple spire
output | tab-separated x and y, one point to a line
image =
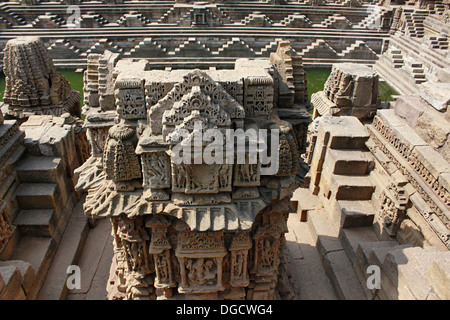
33	85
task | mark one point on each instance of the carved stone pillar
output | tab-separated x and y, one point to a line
394	202
160	248
240	245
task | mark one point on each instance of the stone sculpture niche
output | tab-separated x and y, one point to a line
193	228
32	83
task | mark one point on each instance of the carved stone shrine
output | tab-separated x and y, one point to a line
33	86
198	229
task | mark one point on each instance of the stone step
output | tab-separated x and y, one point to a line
396	79
343	277
39	169
415	65
37	195
351	239
322	232
348	162
420	260
68	253
364	256
417	70
40	223
342	187
95	263
400	274
345	133
353	214
335	261
40	251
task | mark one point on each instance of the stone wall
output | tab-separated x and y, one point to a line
320	34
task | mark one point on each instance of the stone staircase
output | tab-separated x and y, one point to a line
439	42
146	48
337	265
296	20
133	19
318	44
336	21
92	20
49	232
373	20
416	71
439	7
223	16
64	49
101	46
234	48
45	201
257	19
48	21
166	16
270	47
38	195
396	57
191	48
359	44
4	23
11	16
341	220
186	19
414	19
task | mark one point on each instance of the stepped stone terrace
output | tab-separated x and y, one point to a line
217	32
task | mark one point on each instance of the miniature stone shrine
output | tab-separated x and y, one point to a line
206	231
32	84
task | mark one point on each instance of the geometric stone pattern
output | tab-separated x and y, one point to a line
213	16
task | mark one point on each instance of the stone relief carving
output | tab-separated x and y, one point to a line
156	170
130	99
